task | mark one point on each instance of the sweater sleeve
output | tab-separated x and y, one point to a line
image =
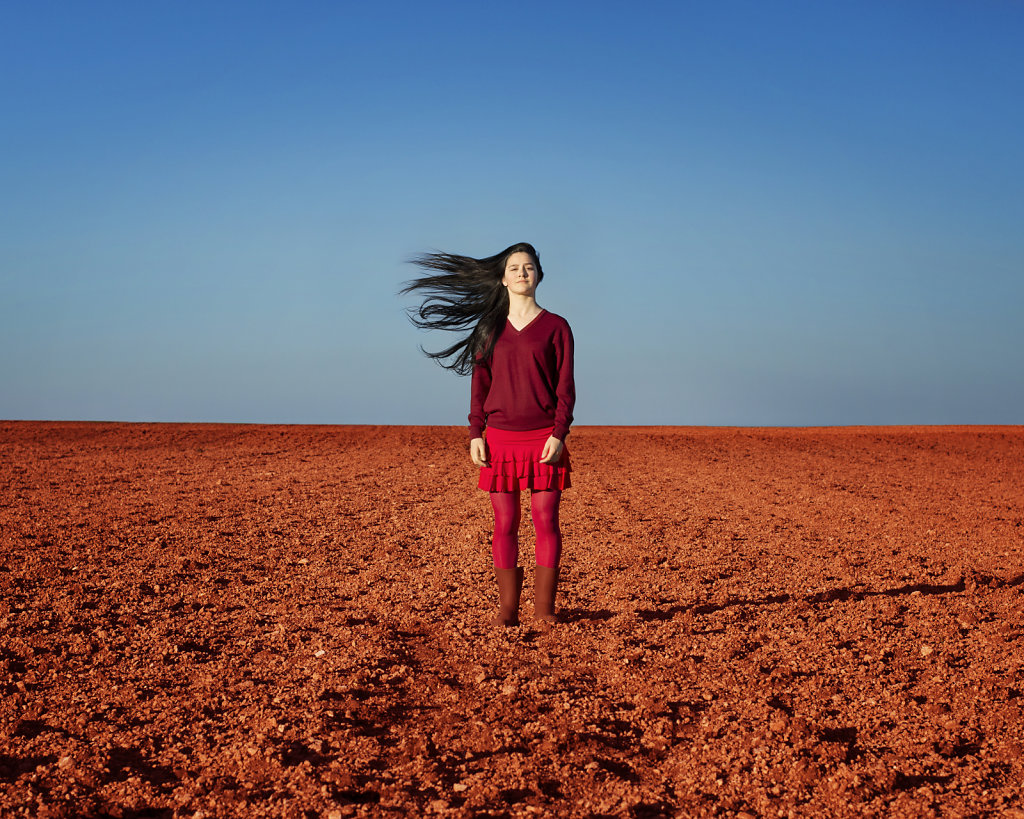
478	394
566	391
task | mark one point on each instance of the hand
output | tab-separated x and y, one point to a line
552	452
478	452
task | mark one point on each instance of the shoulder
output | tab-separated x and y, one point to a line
556	321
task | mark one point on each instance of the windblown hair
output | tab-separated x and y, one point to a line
463	293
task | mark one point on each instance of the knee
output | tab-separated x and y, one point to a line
506	524
545	520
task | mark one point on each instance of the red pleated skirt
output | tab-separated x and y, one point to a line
514	458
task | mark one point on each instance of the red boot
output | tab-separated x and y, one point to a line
510	588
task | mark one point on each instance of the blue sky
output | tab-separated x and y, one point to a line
787	213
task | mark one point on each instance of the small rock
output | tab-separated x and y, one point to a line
927	651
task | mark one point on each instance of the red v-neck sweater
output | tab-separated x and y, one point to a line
528	381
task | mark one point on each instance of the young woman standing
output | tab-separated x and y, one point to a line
522	397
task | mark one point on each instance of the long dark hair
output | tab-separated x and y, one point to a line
463	293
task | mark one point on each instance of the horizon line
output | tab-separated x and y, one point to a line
55	421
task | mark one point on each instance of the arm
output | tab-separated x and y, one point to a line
477	419
477	396
565	393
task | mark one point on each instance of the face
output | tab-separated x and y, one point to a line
520	274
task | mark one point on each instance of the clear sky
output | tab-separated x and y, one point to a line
752	213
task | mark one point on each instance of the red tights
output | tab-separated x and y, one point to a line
543	510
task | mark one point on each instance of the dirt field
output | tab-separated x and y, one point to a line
242	620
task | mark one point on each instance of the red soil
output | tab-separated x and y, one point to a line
243	620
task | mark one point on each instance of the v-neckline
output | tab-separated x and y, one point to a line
525	326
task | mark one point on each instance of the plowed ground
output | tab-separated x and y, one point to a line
244	620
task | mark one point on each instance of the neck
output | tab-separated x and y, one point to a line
520	305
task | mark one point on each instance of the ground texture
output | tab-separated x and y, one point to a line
288	621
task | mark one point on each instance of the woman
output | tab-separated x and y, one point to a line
521	359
